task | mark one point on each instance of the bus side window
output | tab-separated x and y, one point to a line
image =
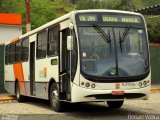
53	34
18	51
11	53
41	44
24	50
7	54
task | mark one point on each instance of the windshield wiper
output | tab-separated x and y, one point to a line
124	36
103	34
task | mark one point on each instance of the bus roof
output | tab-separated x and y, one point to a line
107	10
65	17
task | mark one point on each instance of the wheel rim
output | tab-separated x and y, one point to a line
55	98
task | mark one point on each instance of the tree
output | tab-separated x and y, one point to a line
153	30
97	4
69	1
41	12
126	5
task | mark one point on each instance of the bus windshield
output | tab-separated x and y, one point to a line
113	51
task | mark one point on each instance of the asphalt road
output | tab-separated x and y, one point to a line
37	109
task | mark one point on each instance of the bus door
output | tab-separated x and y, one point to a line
65	69
32	68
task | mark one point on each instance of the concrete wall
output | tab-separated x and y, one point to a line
8	32
155	64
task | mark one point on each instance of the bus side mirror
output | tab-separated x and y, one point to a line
69	43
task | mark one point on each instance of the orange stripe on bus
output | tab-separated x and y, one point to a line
18	74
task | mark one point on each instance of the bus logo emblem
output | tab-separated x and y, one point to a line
117	85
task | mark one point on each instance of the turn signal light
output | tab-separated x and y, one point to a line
93	85
140	84
145	83
87	84
82	83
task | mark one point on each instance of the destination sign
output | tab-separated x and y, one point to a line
126	19
87	18
108	19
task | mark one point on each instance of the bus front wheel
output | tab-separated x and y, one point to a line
115	104
18	96
55	102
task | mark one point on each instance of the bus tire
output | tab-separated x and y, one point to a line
18	96
115	104
55	102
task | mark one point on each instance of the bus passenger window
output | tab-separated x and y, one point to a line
11	53
18	51
41	44
53	41
25	45
7	55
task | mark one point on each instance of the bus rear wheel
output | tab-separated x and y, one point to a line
55	102
18	96
115	104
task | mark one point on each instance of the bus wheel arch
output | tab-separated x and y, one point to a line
115	104
52	81
53	96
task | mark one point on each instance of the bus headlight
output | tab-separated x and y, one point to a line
140	84
93	85
144	83
82	83
87	84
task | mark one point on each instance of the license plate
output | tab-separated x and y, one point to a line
117	92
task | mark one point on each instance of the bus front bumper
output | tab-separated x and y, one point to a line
80	94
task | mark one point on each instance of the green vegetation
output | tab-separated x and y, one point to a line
154	29
43	11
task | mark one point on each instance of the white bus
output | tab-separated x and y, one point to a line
83	56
